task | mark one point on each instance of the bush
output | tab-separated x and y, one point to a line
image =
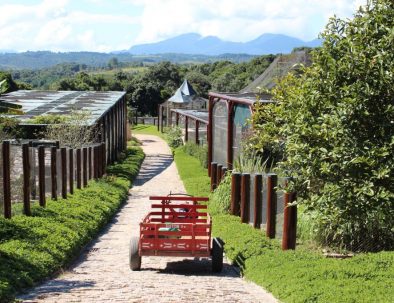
197	151
33	248
333	128
220	198
174	137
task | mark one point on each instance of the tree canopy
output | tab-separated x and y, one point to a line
331	130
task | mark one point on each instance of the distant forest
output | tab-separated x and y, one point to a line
146	84
46	59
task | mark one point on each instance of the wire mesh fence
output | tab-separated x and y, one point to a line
34	172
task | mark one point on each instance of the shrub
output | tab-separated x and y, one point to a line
333	128
220	198
174	137
197	151
73	131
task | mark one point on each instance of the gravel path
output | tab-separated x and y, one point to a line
102	273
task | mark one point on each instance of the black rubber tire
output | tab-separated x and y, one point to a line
217	254
134	257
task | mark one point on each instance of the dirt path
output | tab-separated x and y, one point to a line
102	273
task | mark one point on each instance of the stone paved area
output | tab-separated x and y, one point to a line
102	273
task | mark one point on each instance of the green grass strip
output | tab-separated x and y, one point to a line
293	276
34	248
147	130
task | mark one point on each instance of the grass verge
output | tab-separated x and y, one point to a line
147	130
34	248
293	276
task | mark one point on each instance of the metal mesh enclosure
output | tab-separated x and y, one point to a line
34	173
173	119
182	122
59	172
251	199
202	134
192	130
48	172
264	203
280	208
219	133
241	126
16	169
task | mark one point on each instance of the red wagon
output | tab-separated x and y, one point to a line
177	226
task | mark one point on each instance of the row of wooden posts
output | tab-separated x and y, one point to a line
240	202
197	125
90	163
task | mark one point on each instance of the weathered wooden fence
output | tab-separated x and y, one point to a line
259	200
37	171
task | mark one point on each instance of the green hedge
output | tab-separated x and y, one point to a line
33	248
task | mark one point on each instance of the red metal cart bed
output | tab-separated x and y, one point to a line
177	226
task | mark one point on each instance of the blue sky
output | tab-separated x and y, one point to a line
106	25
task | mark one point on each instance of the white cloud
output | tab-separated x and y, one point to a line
238	20
50	26
59	26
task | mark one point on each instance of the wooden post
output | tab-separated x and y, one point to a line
245	197
186	129
272	182
90	162
7	180
71	170
197	132
63	155
85	166
53	173
235	194
79	183
161	119
289	222
214	167
104	166
41	175
99	161
177	119
258	200
33	172
158	117
219	174
95	162
26	179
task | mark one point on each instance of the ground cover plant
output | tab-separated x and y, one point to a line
292	276
33	248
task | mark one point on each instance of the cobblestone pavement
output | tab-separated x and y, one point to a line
102	273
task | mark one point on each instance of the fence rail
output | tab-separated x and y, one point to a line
259	200
35	172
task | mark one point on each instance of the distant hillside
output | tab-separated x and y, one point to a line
46	59
195	44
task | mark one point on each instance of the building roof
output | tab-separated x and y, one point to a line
243	98
200	115
36	103
184	93
282	65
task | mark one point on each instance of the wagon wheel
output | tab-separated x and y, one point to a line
134	257
217	254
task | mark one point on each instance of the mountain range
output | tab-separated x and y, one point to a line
193	43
